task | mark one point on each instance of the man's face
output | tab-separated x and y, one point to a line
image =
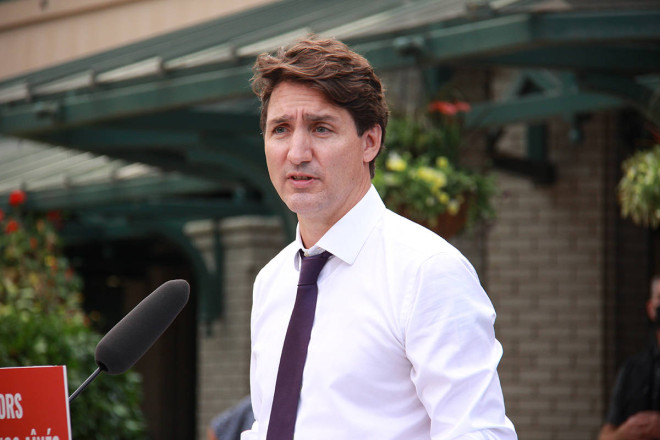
317	162
654	300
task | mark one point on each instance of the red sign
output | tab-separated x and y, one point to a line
34	403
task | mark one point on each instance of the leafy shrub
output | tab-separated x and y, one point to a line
42	323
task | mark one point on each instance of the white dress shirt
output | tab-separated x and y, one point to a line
402	347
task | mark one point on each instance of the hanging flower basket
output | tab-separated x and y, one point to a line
420	177
639	188
446	224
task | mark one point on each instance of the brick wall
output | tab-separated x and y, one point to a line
545	275
224	353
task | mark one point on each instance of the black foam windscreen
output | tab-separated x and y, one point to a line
131	337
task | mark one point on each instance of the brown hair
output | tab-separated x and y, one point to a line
344	77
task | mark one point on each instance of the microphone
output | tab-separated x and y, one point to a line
131	337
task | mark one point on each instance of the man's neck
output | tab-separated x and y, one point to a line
311	233
312	229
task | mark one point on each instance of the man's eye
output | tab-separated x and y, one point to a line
322	129
279	130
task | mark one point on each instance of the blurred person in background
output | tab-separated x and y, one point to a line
229	424
634	412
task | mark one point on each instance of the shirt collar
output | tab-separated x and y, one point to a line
346	237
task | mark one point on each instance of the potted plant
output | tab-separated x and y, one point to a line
639	188
420	176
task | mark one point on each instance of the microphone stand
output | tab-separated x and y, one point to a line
84	384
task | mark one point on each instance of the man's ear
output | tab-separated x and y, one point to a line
371	143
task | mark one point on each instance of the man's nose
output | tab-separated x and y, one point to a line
300	148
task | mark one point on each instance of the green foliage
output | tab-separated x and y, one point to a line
420	175
425	136
42	323
639	188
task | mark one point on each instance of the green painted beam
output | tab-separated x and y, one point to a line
166	149
537	107
601	58
615	26
641	95
511	34
545	80
442	44
249	148
122	102
192	120
508	32
208	280
212	302
537	143
92	138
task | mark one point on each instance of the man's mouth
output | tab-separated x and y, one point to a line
301	178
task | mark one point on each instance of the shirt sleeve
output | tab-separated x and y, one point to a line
450	342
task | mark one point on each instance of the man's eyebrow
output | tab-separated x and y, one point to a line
320	117
279	120
312	117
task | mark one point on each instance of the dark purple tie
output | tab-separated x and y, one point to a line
294	351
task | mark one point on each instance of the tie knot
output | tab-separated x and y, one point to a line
311	266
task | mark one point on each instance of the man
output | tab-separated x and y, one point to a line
402	345
634	412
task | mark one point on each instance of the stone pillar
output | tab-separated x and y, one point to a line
223	353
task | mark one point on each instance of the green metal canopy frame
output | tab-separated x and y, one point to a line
181	101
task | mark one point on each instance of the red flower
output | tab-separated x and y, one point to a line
54	216
462	106
444	107
12	226
17	197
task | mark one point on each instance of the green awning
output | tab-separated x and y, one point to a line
180	102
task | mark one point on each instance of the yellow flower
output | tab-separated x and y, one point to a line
425	174
443	198
437	179
453	206
442	162
51	261
440	180
395	163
